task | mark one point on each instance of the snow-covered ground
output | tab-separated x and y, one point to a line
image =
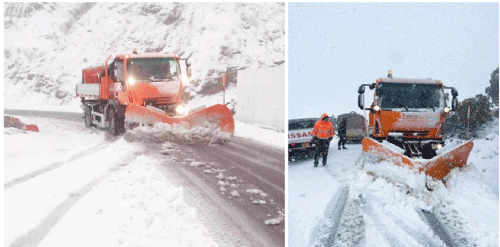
71	185
110	194
384	202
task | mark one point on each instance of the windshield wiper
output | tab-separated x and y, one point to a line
427	106
401	106
160	80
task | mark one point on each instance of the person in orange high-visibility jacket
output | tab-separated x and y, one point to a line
323	133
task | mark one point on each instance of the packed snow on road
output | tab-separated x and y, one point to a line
68	185
354	201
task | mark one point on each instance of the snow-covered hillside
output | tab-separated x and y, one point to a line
355	202
47	44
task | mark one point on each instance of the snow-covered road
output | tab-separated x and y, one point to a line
355	202
72	186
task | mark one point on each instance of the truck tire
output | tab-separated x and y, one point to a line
115	123
88	117
112	122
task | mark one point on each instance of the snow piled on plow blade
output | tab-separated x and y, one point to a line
210	125
437	167
162	132
218	115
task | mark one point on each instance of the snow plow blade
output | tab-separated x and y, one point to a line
217	116
437	167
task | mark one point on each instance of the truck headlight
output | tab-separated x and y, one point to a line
446	109
376	108
437	146
131	80
180	109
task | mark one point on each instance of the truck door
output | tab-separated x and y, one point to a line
119	74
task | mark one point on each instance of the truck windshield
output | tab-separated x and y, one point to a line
152	69
409	96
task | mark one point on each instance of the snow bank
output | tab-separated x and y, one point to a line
162	132
265	135
484	155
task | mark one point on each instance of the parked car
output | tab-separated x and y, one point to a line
300	136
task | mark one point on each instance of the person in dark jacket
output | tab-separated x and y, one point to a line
342	133
323	133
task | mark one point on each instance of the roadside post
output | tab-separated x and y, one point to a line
468	119
224	78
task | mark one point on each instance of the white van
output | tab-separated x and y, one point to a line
300	136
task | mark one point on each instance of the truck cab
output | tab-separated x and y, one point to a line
409	113
150	79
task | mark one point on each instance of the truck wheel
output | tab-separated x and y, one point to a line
115	123
112	128
88	117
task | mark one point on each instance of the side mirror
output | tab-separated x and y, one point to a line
454	92
361	89
361	101
188	63
188	72
454	104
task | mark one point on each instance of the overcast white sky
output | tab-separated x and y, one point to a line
336	47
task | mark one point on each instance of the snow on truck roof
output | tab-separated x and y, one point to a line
149	55
406	80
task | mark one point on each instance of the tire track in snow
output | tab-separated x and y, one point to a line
335	215
347	224
438	228
54	166
383	225
37	234
420	237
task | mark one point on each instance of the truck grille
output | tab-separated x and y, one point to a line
166	104
159	101
420	134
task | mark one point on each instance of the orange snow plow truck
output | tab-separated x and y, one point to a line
407	125
143	89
